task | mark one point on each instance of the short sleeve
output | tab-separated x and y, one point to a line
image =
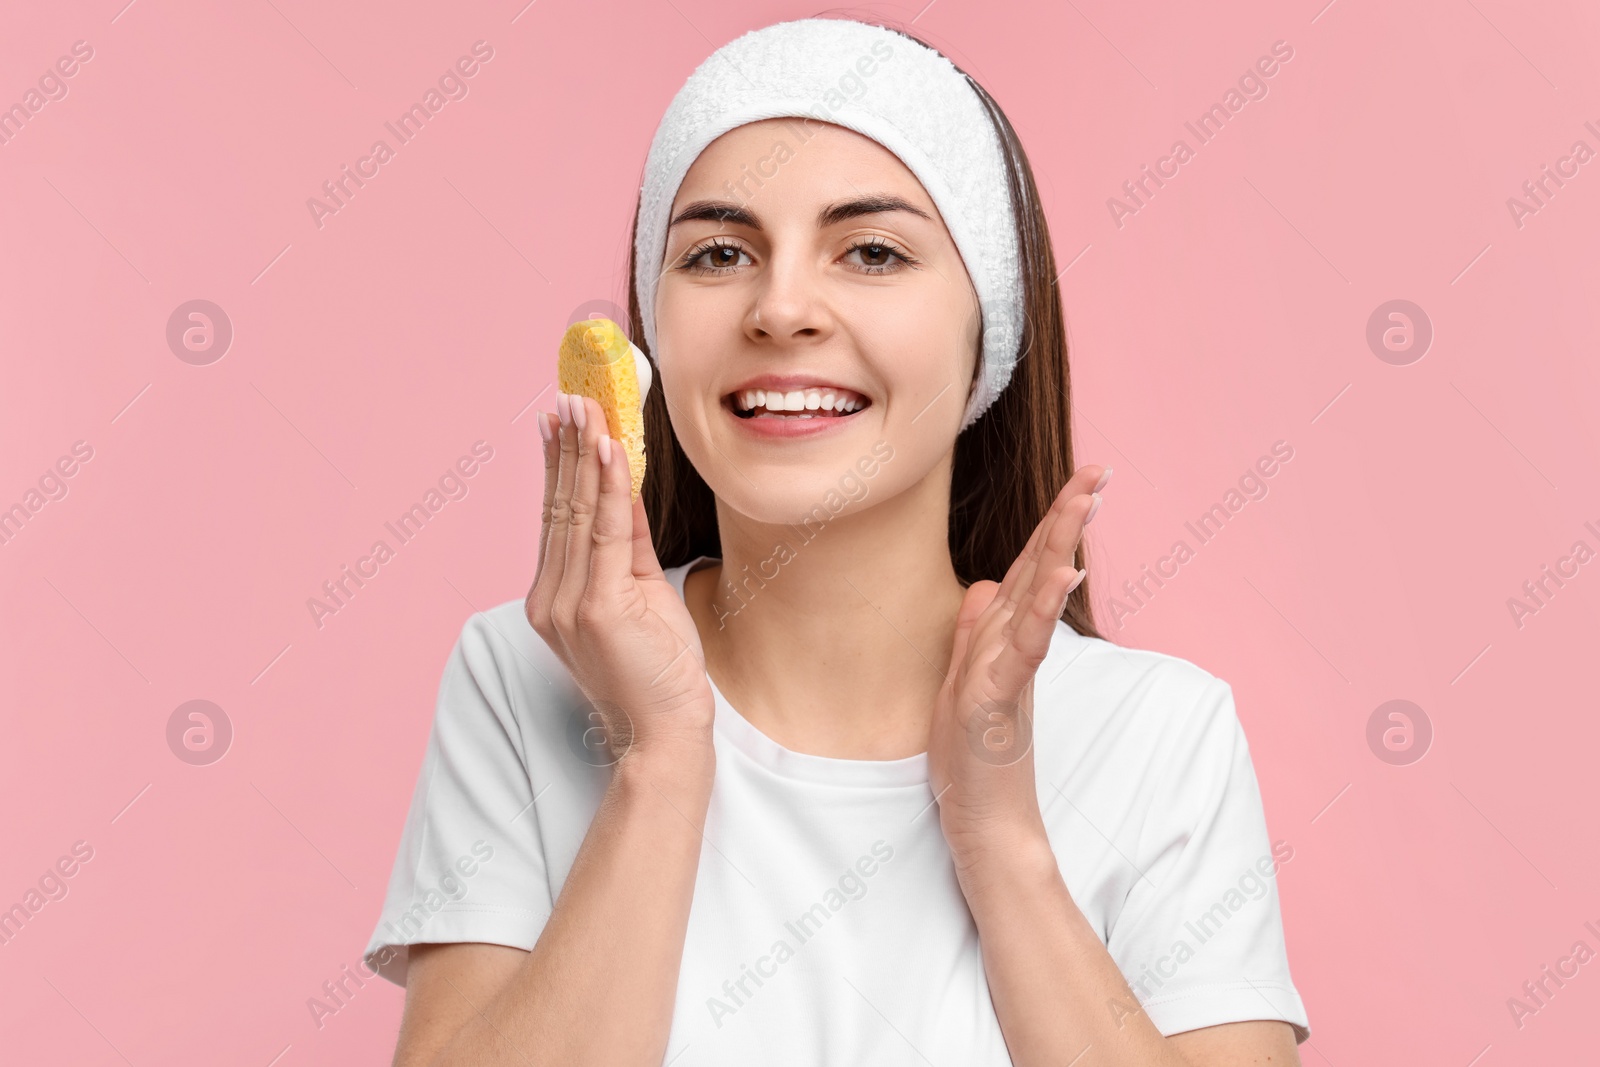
470	865
1200	936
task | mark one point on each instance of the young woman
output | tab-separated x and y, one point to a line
812	754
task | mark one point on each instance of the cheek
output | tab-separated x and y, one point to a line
929	365
689	408
691	346
692	319
685	380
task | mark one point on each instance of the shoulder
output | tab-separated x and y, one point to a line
501	638
1079	666
500	648
500	663
1134	708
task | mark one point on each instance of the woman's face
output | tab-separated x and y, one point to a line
812	267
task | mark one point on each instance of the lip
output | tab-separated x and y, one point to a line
787	428
788	383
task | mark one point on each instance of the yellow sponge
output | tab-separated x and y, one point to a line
598	361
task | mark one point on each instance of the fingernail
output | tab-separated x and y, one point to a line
544	428
563	409
1093	508
1075	583
580	412
1104	478
605	451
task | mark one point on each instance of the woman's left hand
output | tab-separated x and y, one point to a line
980	750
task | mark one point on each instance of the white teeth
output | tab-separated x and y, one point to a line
798	400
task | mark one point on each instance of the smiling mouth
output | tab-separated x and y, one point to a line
819	405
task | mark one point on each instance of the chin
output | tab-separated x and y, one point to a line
805	502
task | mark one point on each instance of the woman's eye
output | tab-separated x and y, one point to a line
879	258
717	258
876	257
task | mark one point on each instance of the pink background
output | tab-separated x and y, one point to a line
1228	313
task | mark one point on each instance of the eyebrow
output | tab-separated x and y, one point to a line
724	211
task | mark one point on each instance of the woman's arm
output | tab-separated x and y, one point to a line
614	938
601	602
1059	995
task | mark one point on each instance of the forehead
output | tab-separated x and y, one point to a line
806	158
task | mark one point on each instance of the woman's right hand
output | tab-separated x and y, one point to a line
602	603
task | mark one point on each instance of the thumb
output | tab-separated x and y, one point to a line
979	596
645	562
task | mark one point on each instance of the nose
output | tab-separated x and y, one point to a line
789	302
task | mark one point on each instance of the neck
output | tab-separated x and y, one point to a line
832	637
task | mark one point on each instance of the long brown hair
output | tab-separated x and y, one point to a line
1008	465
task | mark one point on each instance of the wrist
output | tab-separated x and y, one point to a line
1003	860
680	772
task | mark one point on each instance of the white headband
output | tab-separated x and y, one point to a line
881	84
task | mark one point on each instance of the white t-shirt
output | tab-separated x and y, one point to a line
827	925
